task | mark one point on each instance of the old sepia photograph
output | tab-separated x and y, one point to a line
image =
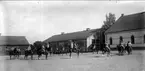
72	35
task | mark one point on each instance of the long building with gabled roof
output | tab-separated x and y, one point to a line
127	28
13	41
83	38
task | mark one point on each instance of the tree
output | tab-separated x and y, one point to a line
38	44
110	20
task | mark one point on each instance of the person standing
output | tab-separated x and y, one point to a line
78	49
70	48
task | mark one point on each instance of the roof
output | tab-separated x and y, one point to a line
128	22
70	36
13	40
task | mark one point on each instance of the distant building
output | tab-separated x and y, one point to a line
127	28
13	41
83	38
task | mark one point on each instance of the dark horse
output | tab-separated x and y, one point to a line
106	49
47	50
43	51
128	48
121	49
14	52
30	51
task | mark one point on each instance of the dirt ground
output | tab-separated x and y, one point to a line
85	62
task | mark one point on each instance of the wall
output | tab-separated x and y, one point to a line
81	43
138	34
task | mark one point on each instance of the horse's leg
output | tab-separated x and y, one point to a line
18	55
70	54
97	51
109	51
31	56
61	53
24	56
78	52
66	52
10	57
46	56
50	53
129	50
122	51
38	57
118	52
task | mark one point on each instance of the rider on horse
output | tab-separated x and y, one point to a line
129	47
121	48
107	49
107	46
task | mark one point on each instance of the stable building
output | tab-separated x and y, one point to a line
127	28
13	41
84	39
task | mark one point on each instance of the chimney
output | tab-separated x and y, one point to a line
62	33
122	15
87	29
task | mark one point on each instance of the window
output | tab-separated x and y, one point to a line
144	38
110	40
132	39
121	39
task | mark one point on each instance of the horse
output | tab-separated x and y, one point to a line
13	52
27	53
10	52
47	50
42	51
93	48
30	51
106	49
121	49
128	48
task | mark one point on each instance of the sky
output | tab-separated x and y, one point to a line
39	20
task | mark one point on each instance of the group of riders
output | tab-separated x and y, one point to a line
121	47
45	50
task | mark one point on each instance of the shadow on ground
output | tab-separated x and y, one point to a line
65	58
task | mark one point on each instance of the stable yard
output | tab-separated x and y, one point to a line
86	62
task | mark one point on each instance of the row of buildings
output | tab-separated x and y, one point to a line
126	28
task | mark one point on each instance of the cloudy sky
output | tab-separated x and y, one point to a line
39	20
